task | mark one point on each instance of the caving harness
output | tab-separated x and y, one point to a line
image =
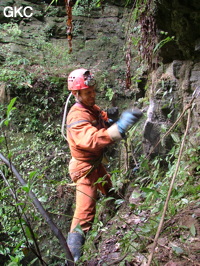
94	163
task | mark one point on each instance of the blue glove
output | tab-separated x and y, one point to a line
127	119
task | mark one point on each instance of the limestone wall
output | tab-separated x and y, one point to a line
100	43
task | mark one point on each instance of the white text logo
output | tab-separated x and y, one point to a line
13	12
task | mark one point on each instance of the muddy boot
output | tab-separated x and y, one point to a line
75	242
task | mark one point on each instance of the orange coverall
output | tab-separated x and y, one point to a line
87	137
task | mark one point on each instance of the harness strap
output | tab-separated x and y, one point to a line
94	164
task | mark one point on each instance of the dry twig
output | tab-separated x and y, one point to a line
170	190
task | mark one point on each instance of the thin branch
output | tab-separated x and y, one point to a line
196	94
43	212
170	190
19	209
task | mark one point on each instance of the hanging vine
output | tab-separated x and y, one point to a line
148	38
128	65
69	4
143	36
143	17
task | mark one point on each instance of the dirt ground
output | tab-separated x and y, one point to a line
178	244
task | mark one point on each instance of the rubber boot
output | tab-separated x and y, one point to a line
75	242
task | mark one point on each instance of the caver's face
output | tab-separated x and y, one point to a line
87	96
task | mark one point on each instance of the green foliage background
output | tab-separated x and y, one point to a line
31	139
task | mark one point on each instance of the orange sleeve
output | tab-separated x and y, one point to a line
87	137
85	140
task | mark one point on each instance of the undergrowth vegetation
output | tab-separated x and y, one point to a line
30	138
41	157
139	210
32	141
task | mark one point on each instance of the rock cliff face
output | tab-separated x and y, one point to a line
98	38
173	86
34	65
100	42
180	19
174	83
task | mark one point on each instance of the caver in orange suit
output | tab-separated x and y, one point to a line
87	137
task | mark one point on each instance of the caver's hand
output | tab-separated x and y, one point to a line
127	119
113	113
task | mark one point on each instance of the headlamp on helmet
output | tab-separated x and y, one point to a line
80	79
89	80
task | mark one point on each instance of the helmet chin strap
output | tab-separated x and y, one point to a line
78	97
63	131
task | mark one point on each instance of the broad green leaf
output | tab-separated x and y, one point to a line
107	199
4	250
33	261
177	249
32	174
193	230
2	139
184	201
10	106
28	232
6	122
13	263
135	195
175	137
78	229
119	201
20	203
146	229
149	190
26	188
43	199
